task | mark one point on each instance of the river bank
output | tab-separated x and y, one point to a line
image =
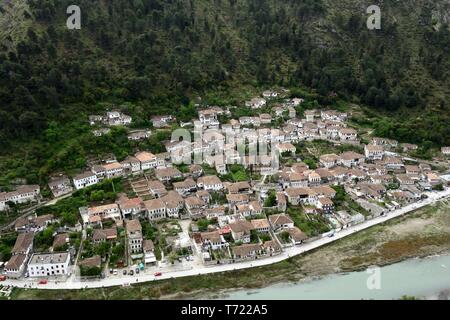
427	278
419	234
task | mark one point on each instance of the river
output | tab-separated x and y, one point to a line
427	278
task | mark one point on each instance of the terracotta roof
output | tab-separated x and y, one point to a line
23	242
133	226
329	157
194	201
83	175
173	199
297	234
272	244
241	226
104	234
295	192
100	209
326	201
60	240
167	172
246	249
351	155
148	245
126	203
209	180
95	261
281	198
237	197
112	166
278	219
154	204
260	223
15	262
156	185
213	236
145	156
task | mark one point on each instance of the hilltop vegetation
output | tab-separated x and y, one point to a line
159	55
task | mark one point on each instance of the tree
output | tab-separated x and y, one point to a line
271	200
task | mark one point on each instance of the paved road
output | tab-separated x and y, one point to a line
290	252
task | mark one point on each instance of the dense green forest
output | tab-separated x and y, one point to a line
158	55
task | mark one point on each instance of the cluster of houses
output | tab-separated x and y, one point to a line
132	165
22	195
112	118
239	226
116	118
24	261
325	125
241	236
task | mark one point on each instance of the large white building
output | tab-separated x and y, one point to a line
84	180
49	264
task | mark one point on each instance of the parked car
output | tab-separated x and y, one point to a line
137	270
43	281
111	271
131	272
124	272
2	278
157	274
115	272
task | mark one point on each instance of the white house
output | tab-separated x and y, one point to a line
348	134
15	267
210	183
131	165
213	240
102	212
134	235
329	160
373	152
84	180
208	117
49	264
113	169
130	207
156	209
351	158
148	160
281	221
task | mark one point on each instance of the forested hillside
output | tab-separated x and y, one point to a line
160	54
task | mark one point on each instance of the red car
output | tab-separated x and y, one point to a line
43	281
2	278
157	274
